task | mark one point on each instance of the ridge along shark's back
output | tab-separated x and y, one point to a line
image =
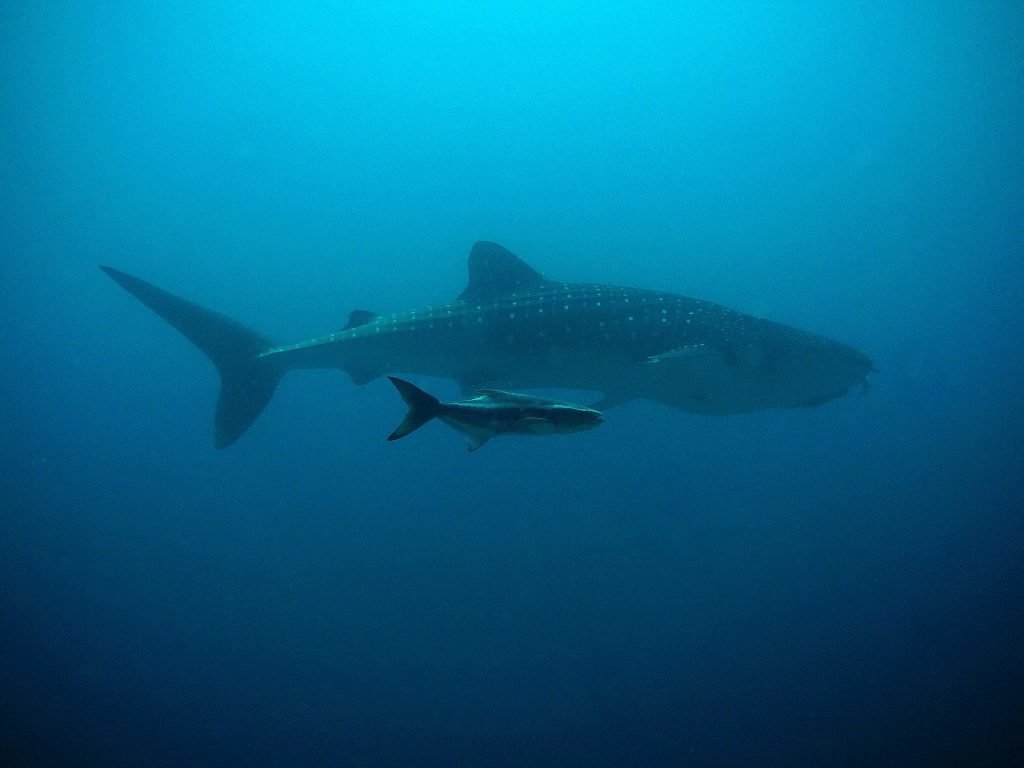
513	328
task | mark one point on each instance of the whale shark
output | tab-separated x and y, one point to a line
492	412
513	328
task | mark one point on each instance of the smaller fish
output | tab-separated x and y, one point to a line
492	412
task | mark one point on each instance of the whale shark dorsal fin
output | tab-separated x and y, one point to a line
359	317
496	271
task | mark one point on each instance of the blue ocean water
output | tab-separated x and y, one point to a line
839	585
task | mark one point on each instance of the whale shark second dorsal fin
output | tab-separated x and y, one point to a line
496	271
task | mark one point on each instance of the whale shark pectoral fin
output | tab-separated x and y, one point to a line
685	375
693	362
687	354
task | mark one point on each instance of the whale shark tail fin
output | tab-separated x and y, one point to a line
247	381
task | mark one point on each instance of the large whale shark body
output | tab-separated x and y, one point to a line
513	328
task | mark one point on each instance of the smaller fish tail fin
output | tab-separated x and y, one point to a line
247	381
422	407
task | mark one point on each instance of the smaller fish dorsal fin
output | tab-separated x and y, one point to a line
359	317
501	396
496	271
